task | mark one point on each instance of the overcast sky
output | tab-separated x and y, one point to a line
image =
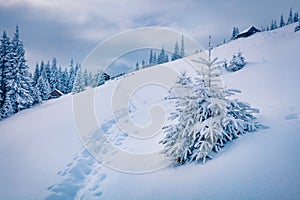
72	28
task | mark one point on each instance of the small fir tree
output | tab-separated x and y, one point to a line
176	55
290	18
206	119
236	63
137	66
79	85
43	88
296	17
98	79
281	21
182	52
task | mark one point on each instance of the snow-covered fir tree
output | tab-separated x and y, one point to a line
235	32
42	68
290	18
36	74
150	58
86	77
5	60
282	23
1	89
176	55
143	64
162	57
137	66
297	28
296	17
182	51
154	60
79	84
273	25
53	75
77	67
43	88
47	71
7	108
37	97
98	79
65	83
72	74
90	79
59	79
206	119
19	86
236	63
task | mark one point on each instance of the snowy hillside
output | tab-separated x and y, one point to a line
42	157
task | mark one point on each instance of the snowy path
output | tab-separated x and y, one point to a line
84	174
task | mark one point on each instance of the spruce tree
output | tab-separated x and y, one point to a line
42	68
296	17
282	21
206	119
53	75
20	84
72	75
59	79
5	61
1	90
154	61
47	71
98	79
162	57
65	82
236	63
151	58
137	66
182	52
275	24
233	35
86	77
290	19
235	32
79	85
176	55
43	88
272	25
77	67
36	74
7	107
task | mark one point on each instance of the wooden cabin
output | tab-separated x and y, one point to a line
55	94
248	32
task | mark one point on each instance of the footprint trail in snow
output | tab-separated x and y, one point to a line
84	175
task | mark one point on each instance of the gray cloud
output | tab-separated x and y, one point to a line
71	28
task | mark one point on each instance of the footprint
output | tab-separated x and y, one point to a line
102	177
98	194
95	187
291	116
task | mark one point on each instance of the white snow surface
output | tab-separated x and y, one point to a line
41	156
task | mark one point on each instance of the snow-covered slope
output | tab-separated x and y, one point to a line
37	144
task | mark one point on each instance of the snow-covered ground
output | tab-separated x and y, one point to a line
42	157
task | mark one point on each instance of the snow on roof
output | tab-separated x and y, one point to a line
56	90
247	30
